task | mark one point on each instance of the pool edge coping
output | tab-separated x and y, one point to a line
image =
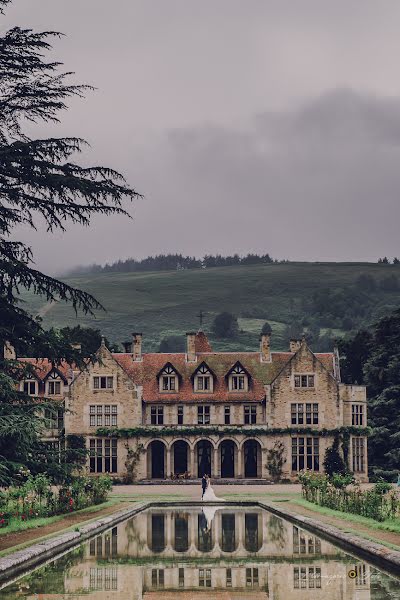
17	562
382	556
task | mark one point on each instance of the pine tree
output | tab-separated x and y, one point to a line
38	178
333	461
373	358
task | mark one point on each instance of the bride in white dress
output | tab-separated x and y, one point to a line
209	511
209	495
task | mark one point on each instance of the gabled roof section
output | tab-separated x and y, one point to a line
166	367
203	364
238	366
145	373
57	373
325	359
43	367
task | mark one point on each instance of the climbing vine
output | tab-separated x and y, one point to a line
131	462
276	460
135	432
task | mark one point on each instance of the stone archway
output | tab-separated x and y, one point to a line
204	450
252	459
180	453
227	450
156	459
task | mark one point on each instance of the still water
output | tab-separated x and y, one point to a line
215	554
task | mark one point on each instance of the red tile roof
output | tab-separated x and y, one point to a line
42	367
145	373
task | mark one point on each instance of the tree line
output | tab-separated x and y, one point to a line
175	262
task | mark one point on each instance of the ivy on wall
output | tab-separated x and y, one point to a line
134	432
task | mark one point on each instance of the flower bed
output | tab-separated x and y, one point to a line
341	492
37	498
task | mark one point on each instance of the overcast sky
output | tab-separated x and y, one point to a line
249	126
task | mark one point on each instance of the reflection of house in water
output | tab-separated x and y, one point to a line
243	554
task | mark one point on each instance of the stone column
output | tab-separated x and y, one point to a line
264	471
240	466
168	517
192	463
216	470
240	530
168	468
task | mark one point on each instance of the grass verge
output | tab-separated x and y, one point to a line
18	525
392	525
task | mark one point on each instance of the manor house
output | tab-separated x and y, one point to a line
228	414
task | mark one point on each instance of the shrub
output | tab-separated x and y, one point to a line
380	503
382	487
333	461
340	481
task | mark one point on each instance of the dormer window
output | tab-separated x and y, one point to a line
238	380
29	387
203	379
55	381
54	388
168	380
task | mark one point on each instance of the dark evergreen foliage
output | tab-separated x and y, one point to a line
225	325
266	329
333	461
373	358
39	182
175	262
172	343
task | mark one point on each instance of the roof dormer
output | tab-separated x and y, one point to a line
238	378
203	379
168	379
54	381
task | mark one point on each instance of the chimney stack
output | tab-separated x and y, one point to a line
265	347
191	347
294	345
9	351
137	347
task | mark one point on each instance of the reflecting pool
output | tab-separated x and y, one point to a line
212	553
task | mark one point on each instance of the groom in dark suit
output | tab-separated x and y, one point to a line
203	485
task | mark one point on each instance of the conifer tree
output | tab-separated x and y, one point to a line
39	181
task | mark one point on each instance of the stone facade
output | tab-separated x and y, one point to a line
220	413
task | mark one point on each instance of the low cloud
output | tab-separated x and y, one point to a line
319	182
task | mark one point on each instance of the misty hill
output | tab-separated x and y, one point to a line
328	299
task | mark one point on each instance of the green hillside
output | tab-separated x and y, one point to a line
329	296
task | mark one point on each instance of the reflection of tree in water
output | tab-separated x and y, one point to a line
133	535
49	579
276	531
384	587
